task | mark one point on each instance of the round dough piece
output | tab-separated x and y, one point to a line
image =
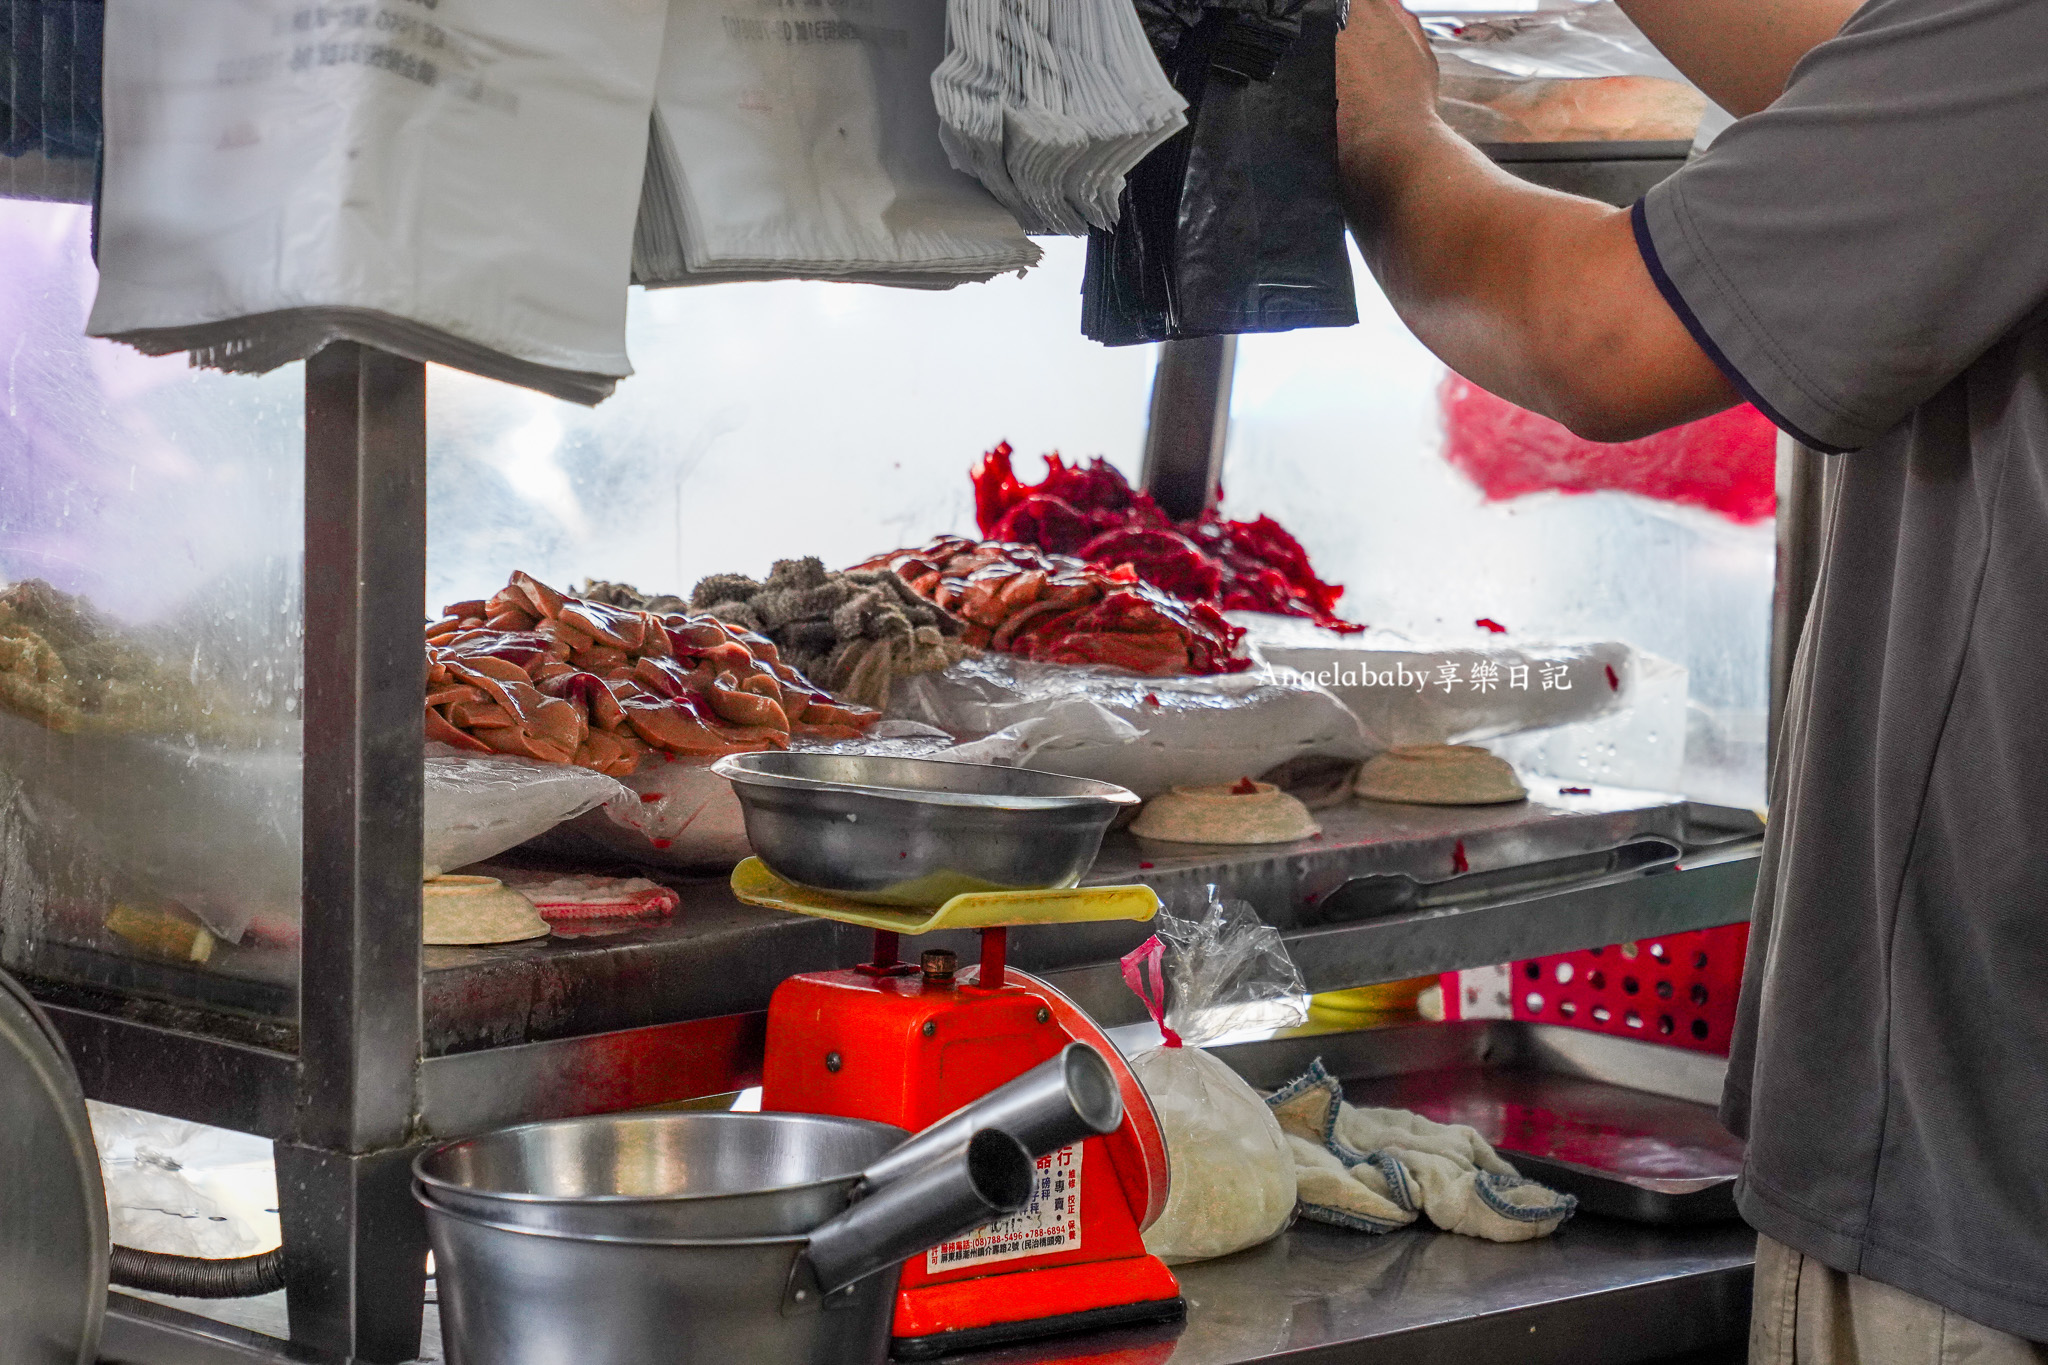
1225	814
468	911
1439	775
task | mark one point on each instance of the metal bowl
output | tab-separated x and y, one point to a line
670	1175
917	832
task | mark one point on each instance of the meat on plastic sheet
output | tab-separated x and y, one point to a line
1147	734
1204	976
455	182
1408	692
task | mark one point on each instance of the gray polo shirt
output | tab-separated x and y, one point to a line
1868	261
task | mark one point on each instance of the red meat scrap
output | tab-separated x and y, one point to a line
1726	463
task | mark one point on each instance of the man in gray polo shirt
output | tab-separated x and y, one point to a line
1865	257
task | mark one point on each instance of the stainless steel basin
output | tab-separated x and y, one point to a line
667	1175
915	832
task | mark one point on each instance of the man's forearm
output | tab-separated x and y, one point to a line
1537	296
1741	52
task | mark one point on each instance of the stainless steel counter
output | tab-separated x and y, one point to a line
1598	1293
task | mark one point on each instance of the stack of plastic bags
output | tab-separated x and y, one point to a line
1050	103
804	142
454	182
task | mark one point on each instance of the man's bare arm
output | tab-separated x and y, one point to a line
1741	52
1537	296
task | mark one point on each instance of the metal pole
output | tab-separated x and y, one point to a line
354	1244
1798	571
1189	423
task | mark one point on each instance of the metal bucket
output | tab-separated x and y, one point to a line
514	1295
522	1296
582	1278
689	1175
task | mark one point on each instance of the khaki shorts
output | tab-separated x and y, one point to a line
1810	1314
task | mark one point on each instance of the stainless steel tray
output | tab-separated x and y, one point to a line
1628	1127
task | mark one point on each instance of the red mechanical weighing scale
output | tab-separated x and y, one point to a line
908	1044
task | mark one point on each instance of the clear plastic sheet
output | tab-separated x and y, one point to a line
156	845
1147	734
1233	1172
479	805
213	829
1581	73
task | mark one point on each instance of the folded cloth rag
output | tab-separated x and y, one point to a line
1378	1169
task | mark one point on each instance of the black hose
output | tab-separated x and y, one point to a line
197	1277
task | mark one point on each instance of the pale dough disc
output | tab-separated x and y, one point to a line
469	911
1439	775
1223	815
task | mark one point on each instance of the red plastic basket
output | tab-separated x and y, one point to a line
1679	989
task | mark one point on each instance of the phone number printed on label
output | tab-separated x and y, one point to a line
1050	1222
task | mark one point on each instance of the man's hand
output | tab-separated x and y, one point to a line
1385	65
1540	297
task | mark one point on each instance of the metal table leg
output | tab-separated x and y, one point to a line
355	1243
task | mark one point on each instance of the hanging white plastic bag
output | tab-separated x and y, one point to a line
454	181
478	805
805	141
1233	1171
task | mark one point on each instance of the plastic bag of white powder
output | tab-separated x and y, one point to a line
1233	1173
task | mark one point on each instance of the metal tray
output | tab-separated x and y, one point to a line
1628	1127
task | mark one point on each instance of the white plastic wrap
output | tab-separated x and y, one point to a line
478	805
1147	734
1233	1172
184	1188
1407	692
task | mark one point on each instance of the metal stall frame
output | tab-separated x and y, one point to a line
350	1102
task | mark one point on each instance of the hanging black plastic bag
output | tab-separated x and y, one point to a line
1235	225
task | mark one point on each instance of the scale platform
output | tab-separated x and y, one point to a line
755	884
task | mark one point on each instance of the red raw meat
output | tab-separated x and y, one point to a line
1726	463
1167	560
1265	569
1047	522
1091	510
